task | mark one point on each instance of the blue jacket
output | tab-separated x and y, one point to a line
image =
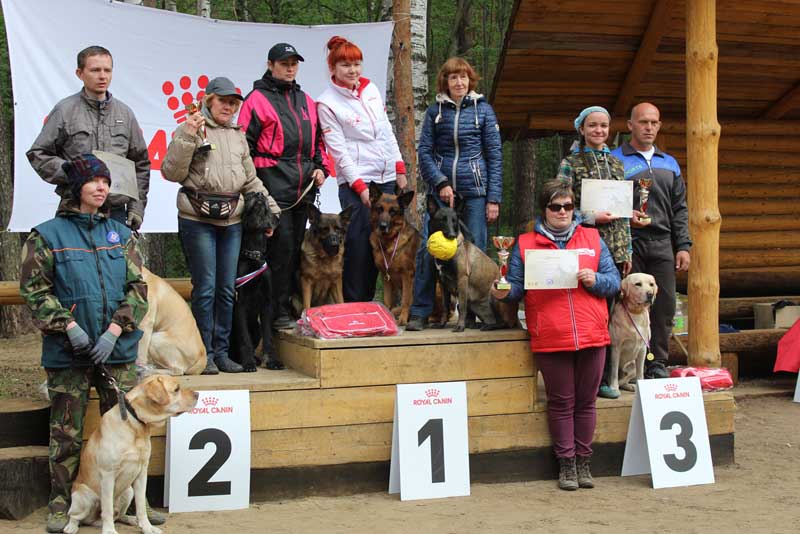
90	279
460	146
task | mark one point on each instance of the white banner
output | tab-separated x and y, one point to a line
159	56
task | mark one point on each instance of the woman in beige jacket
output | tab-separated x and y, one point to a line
210	158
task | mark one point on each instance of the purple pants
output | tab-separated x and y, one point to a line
571	380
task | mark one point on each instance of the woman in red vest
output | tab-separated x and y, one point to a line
568	328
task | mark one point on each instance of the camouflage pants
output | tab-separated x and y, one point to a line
69	396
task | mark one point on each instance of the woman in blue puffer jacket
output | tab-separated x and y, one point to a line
459	151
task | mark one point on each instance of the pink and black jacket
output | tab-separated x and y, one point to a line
282	130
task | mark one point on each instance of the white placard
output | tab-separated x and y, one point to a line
797	389
430	450
668	434
208	454
551	269
615	196
123	174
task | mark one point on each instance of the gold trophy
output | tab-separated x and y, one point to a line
644	194
192	108
503	244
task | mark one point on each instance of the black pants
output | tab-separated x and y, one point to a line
360	273
655	257
283	256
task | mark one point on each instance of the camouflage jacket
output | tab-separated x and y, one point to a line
599	165
74	266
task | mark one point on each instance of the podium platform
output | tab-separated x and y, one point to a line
324	425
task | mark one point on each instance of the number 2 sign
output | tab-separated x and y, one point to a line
668	434
430	451
208	454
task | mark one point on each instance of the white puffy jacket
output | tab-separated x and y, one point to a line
358	135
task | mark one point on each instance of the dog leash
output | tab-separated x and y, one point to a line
305	192
242	280
650	356
386	276
124	406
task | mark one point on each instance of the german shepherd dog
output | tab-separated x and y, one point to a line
252	310
394	246
468	275
322	257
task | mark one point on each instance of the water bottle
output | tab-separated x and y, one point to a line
679	321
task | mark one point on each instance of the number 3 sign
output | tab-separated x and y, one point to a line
668	435
430	453
208	454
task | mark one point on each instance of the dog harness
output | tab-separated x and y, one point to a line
242	280
650	356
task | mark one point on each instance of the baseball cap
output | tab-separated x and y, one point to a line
222	86
283	51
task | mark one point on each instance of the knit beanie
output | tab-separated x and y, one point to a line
586	112
84	169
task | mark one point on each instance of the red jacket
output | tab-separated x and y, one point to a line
566	319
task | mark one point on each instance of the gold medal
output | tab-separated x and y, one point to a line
650	356
387	277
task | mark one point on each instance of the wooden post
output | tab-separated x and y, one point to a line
403	88
702	141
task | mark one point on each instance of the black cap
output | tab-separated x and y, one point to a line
283	51
222	86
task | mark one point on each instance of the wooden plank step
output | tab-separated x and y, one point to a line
25	422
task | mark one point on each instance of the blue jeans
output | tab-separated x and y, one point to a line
474	218
212	253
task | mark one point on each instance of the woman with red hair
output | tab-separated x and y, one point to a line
360	141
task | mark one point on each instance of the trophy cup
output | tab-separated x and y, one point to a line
503	244
192	108
644	194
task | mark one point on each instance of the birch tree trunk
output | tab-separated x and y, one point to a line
171	5
204	8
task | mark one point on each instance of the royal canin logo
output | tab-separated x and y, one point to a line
432	398
671	387
432	392
211	406
671	392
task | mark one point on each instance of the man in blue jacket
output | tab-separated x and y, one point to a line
660	245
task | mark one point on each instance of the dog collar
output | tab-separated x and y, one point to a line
242	280
126	406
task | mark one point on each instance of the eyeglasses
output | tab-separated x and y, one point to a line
555	208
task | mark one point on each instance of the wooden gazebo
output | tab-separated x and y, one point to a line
696	60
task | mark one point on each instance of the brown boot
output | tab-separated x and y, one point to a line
585	479
567	475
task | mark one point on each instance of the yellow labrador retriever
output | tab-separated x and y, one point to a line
113	466
630	331
170	340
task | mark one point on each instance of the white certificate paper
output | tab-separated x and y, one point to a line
551	269
615	196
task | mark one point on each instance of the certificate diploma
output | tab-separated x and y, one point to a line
615	196
551	269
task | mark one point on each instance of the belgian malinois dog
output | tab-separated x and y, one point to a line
322	257
394	247
468	275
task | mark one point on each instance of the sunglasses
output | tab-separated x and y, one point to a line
555	208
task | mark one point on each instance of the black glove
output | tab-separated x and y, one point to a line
102	349
79	341
134	221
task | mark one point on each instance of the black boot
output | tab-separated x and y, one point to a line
582	465
567	474
416	324
226	365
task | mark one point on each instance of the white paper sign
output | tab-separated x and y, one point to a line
430	448
797	389
208	454
123	174
668	434
551	269
615	196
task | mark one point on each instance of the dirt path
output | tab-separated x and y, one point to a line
760	493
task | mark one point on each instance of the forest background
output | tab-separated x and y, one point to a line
473	29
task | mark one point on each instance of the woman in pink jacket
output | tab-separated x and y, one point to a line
360	141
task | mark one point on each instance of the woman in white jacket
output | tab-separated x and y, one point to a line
360	141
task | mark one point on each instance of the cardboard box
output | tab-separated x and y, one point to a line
784	317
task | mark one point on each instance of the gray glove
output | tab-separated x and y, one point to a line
102	349
134	221
79	340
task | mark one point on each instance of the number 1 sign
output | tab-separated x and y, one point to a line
430	451
668	434
208	454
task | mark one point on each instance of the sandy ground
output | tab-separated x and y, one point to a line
760	493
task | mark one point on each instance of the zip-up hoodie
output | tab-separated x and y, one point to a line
359	136
281	127
460	146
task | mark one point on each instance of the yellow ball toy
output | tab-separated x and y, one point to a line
440	247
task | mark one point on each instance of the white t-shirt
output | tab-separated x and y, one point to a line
648	154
